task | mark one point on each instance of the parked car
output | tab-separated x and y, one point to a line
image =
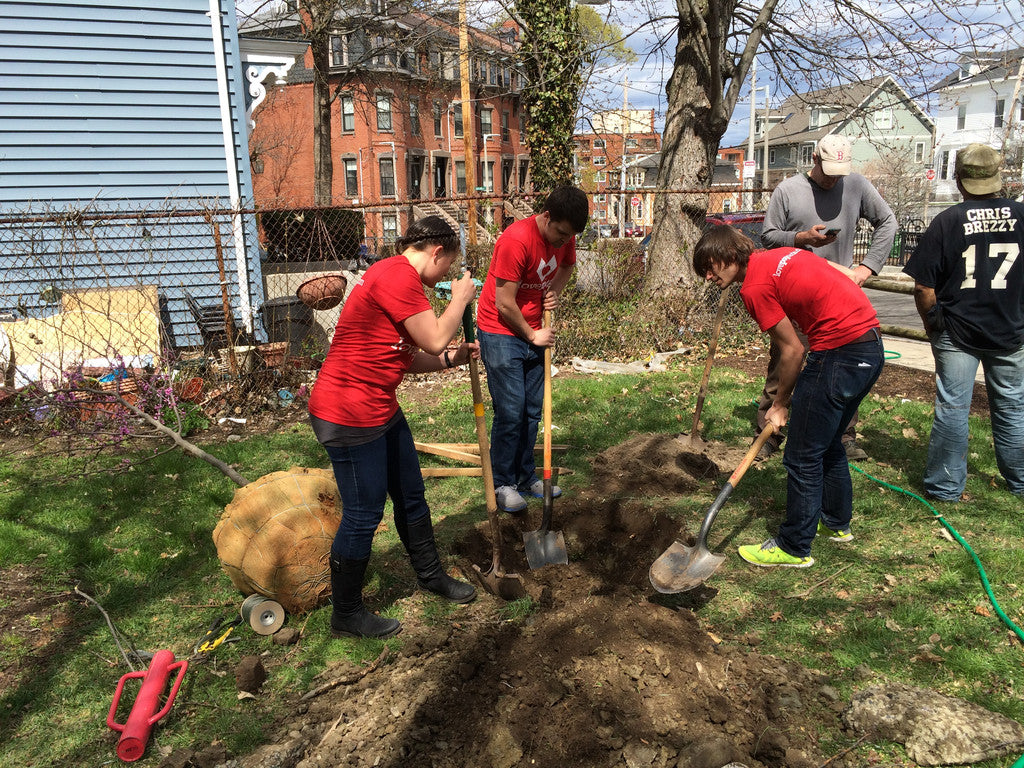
747	222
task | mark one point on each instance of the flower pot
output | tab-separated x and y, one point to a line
322	292
273	353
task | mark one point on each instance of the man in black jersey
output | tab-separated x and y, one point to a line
969	289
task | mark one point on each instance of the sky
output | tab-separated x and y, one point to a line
650	28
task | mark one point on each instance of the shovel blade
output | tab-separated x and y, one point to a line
545	548
680	568
507	586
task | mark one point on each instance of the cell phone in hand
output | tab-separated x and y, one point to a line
832	232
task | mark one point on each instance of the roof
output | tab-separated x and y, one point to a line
853	100
992	65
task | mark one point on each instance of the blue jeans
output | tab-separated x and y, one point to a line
515	379
827	394
955	368
366	475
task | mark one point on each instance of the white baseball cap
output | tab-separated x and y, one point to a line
834	153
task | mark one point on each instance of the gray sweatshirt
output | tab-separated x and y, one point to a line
798	203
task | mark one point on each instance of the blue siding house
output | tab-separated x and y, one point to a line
124	156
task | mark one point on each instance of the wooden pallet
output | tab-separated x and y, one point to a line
469	453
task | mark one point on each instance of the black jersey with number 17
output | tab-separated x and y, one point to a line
971	255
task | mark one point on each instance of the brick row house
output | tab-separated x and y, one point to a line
619	139
397	128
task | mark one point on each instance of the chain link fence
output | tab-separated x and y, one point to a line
190	312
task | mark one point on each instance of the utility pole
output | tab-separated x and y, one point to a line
748	179
468	126
767	128
622	175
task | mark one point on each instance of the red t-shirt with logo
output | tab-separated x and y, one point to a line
791	282
523	256
370	351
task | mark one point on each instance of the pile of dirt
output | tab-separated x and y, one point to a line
598	676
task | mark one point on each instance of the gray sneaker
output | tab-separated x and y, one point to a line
536	489
509	499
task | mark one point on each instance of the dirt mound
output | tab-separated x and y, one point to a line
599	675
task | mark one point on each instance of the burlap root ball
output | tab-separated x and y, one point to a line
275	536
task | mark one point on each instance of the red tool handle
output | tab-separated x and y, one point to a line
145	713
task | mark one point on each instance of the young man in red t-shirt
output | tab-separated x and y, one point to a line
531	264
779	287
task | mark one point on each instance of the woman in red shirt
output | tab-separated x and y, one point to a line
386	329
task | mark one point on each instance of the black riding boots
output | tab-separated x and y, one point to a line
349	617
419	543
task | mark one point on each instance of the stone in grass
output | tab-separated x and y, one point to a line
936	729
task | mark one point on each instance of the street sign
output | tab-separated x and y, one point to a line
634	201
749	167
930	174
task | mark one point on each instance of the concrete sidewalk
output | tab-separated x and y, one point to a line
914	354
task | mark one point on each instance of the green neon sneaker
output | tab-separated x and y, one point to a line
843	535
770	554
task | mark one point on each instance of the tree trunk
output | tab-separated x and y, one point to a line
323	165
690	143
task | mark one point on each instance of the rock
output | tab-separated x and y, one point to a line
250	674
179	758
639	755
936	729
708	753
286	636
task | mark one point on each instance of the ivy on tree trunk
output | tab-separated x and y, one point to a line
552	54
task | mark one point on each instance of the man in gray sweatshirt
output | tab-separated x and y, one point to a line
819	211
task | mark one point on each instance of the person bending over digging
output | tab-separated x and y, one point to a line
387	328
779	287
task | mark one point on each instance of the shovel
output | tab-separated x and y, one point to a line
508	586
544	546
694	439
680	567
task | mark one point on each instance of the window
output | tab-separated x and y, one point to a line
961	117
806	153
438	118
1000	111
883	118
486	123
944	165
815	119
726	205
348	114
487	175
632	143
414	116
457	108
600	198
505	133
387	176
338	57
494	74
389	225
600	160
771	157
384	112
351	177
919	152
598	143
460	177
600	176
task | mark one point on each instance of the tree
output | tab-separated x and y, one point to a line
809	45
552	56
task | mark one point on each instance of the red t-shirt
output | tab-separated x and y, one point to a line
370	351
523	256
790	282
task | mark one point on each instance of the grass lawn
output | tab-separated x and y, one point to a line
905	602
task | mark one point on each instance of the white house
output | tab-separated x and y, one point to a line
980	102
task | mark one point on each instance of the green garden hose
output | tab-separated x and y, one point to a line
981	569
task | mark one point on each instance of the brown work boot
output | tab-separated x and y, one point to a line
770	448
853	451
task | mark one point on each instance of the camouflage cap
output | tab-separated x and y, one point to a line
977	168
